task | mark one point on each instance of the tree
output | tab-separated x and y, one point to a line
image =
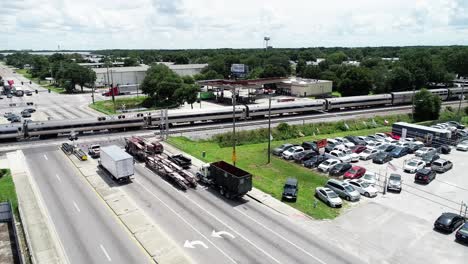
336	57
400	79
426	106
300	67
356	81
181	59
458	62
130	62
161	84
273	71
311	71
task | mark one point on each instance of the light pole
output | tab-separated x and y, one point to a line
234	157
269	127
461	99
412	111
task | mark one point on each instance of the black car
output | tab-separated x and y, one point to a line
290	189
462	234
329	147
25	113
15	119
314	161
444	149
448	222
382	157
398	152
30	110
356	140
413	147
429	158
279	150
340	168
304	155
424	176
309	145
456	124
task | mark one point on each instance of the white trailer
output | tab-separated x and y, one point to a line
118	163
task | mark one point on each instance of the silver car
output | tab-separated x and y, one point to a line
463	146
394	182
343	189
328	196
441	165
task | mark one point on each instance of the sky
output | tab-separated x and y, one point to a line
195	24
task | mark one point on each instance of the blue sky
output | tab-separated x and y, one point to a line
173	24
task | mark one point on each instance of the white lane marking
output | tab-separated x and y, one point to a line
58	177
76	207
191	244
185	221
232	229
45	157
105	253
282	237
220	233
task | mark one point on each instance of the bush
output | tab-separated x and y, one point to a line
466	110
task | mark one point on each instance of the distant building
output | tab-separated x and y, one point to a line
316	62
304	87
136	74
391	59
100	64
351	63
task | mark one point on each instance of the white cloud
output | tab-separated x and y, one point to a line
90	24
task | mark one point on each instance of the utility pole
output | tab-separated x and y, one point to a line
462	96
234	157
112	89
94	88
269	128
412	111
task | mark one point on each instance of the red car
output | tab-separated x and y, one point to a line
355	172
358	149
392	135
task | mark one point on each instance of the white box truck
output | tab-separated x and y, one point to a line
118	163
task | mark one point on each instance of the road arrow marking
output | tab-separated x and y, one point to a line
191	244
218	234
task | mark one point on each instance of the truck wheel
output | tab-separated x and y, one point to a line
221	191
228	195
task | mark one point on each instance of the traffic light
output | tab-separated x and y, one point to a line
22	83
48	90
37	91
30	82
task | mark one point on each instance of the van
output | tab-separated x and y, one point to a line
441	165
343	189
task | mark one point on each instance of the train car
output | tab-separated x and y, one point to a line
191	117
402	97
11	132
442	93
287	108
456	93
358	101
54	128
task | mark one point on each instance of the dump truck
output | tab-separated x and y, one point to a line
117	163
142	148
232	182
181	160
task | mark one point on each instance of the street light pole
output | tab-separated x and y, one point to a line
234	157
269	128
412	111
461	99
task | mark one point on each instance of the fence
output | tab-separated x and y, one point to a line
6	215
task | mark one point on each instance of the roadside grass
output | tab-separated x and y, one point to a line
107	106
46	85
7	189
336	94
270	178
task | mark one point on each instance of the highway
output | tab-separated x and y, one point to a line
88	230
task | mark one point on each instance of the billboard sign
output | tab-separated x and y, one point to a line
322	143
239	70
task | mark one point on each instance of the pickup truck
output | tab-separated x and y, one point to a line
181	160
94	151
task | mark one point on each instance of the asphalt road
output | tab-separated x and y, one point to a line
88	230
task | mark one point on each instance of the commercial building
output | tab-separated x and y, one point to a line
136	74
305	87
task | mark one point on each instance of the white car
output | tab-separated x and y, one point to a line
374	145
370	177
326	165
340	155
328	196
391	141
332	141
345	142
413	165
463	146
403	144
363	187
288	154
354	156
340	147
368	154
423	151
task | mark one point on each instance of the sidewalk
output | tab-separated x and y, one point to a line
43	242
255	193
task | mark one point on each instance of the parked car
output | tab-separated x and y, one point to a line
444	149
290	189
399	152
327	165
30	110
463	146
382	157
392	135
363	187
339	169
462	234
340	156
381	135
424	176
15	119
329	147
387	147
456	124
413	165
415	146
369	177
354	156
9	95
430	157
424	150
94	151
368	154
355	172
328	196
358	149
314	161
345	142
288	154
304	155
25	113
279	150
441	165
448	222
394	182
309	145
374	145
356	140
343	189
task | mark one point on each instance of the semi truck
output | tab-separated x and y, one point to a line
181	160
232	182
121	90
141	147
118	163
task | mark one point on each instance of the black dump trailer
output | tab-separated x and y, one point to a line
231	181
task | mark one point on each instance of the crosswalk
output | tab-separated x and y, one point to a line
57	112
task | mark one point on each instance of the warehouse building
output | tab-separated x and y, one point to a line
305	87
136	74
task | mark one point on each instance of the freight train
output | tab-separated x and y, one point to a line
54	128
